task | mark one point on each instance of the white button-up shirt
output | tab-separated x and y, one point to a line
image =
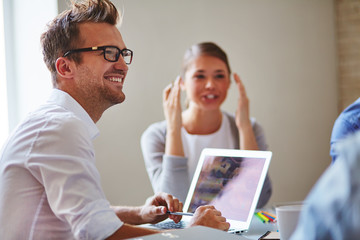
49	184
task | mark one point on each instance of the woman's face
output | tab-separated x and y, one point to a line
206	82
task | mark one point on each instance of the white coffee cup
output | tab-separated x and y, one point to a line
287	219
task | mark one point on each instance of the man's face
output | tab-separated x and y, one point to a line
99	82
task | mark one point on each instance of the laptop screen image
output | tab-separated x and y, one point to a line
228	183
231	180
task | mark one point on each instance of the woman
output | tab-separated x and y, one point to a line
171	148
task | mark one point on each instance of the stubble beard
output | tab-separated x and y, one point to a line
99	94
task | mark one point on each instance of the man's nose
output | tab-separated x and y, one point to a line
121	64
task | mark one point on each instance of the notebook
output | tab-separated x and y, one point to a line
229	179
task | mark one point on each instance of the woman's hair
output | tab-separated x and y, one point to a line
203	49
62	33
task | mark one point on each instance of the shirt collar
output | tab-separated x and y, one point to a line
64	100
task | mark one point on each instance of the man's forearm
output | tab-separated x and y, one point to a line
130	215
128	231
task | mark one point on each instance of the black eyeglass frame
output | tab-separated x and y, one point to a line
103	48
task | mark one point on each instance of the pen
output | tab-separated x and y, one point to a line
180	213
265	234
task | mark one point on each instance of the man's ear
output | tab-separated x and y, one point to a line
64	67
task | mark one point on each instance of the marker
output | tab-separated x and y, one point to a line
267	215
260	218
180	213
271	215
259	215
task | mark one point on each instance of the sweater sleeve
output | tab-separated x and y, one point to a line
261	141
167	173
259	135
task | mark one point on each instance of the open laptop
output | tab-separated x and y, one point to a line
229	179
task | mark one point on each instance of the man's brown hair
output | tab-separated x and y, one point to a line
63	33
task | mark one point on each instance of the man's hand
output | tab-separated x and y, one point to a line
210	217
156	207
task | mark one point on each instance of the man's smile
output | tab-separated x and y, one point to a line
116	79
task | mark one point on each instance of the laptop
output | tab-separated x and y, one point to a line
229	179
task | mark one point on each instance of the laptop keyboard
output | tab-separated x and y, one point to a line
170	225
180	225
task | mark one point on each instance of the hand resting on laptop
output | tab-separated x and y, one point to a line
210	217
205	215
155	210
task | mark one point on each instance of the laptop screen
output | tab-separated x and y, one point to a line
228	183
229	179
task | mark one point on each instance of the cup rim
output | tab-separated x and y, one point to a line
296	207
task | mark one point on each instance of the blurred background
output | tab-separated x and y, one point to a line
296	59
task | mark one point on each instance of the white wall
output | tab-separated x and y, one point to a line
4	121
285	52
28	80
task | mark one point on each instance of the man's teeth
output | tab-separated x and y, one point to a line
114	79
210	96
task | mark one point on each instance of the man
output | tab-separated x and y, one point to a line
49	185
347	123
332	209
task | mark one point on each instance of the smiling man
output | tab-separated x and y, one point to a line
49	185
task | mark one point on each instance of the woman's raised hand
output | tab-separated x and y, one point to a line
172	111
246	134
242	111
172	105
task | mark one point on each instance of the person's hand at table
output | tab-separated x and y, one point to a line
209	216
156	207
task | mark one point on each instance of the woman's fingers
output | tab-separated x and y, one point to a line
240	85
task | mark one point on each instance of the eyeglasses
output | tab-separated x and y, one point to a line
111	53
